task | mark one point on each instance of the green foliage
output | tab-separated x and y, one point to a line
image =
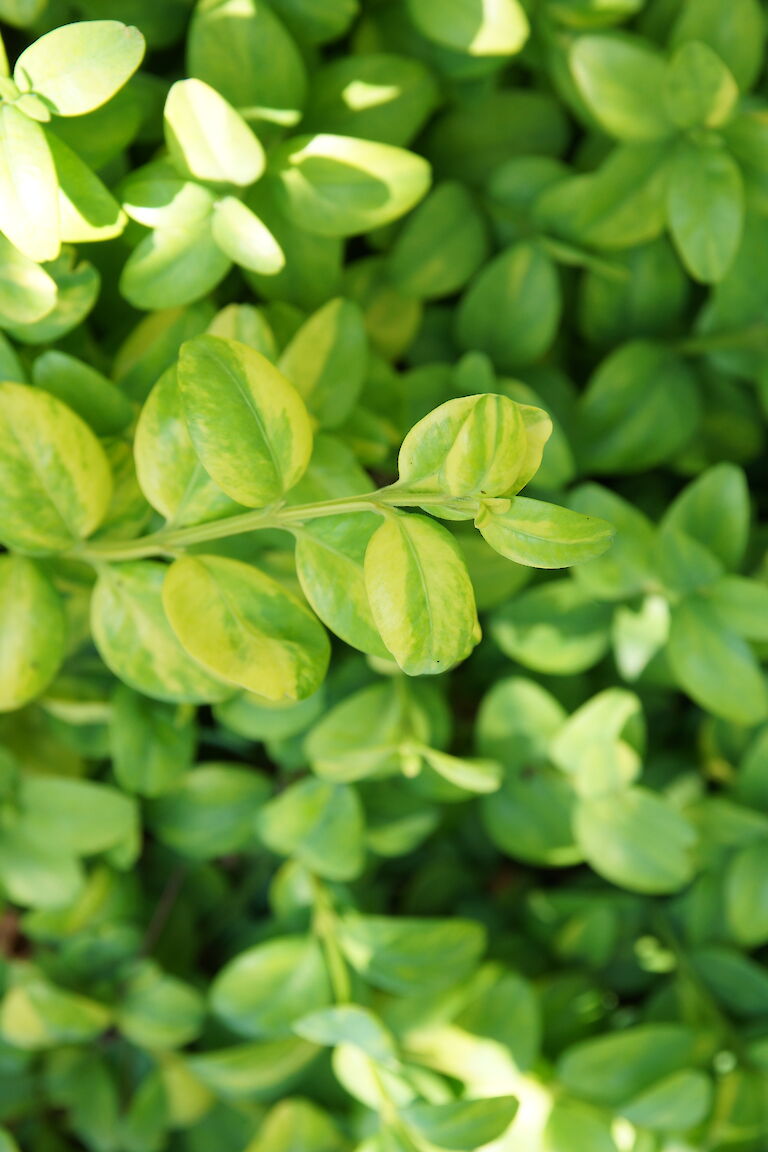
383	590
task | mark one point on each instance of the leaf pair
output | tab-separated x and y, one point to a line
47	194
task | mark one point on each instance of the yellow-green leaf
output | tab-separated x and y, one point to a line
249	426
29	207
55	482
207	138
136	641
245	627
80	66
542	535
32	631
470	446
420	594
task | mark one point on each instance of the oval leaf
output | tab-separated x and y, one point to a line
249	426
420	594
245	627
55	482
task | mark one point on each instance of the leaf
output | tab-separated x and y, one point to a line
409	956
543	535
312	270
576	1127
173	266
92	396
327	361
705	202
463	1125
746	902
77	286
169	471
736	981
32	631
613	1069
245	239
714	665
245	627
157	1011
39	1015
295	1124
78	816
35	875
735	33
87	210
470	775
338	186
241	48
741	606
136	641
372	96
640	408
714	510
621	204
55	482
210	812
349	1024
699	89
637	840
511	309
27	292
249	426
477	27
443	242
29	209
420	595
613	720
470	446
268	720
319	824
207	138
245	1071
621	78
78	67
263	991
555	628
152	743
679	1102
626	568
360	736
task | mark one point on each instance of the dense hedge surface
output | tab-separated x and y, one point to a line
351	801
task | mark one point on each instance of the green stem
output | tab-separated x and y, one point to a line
169	541
324	927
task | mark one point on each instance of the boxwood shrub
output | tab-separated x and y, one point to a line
383	582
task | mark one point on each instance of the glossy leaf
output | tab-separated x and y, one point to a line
136	641
621	78
706	210
78	67
319	824
420	595
338	186
55	481
245	628
247	423
543	535
207	138
637	840
32	631
714	665
29	206
478	27
264	990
